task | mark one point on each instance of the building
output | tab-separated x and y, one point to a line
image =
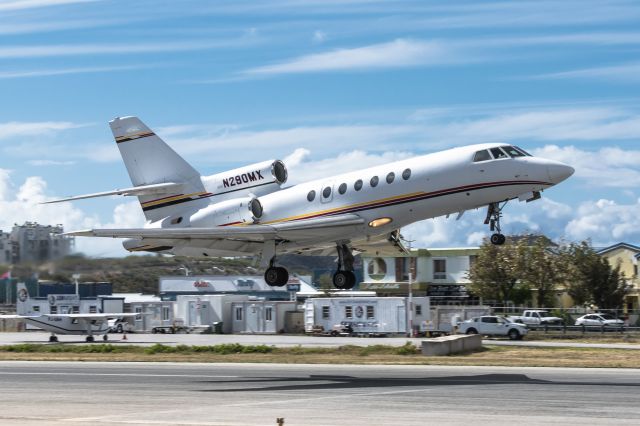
154	313
441	274
627	256
201	311
253	286
32	242
262	316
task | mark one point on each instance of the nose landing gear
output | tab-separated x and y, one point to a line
494	213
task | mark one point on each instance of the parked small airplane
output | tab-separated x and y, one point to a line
62	323
247	212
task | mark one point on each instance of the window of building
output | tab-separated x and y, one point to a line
406	174
377	268
138	312
238	313
75	310
166	313
268	313
404	265
311	195
326	312
498	153
481	156
53	310
348	311
635	270
371	313
358	185
93	309
326	192
439	269
418	309
390	177
342	188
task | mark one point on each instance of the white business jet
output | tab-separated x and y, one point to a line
247	212
89	324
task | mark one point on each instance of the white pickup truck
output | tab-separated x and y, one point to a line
537	317
491	325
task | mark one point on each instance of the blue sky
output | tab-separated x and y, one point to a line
325	85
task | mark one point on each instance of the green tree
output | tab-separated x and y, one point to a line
496	273
543	270
593	279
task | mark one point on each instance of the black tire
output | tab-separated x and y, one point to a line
283	276
333	333
53	339
513	334
495	239
154	330
105	337
90	339
344	280
276	276
472	331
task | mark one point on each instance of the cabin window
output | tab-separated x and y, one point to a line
268	314
390	177
374	181
348	311
371	313
326	193
481	156
513	153
342	188
358	185
326	312
498	153
311	195
406	174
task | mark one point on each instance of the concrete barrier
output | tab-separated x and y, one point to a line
447	345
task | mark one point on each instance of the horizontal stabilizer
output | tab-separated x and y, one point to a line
154	189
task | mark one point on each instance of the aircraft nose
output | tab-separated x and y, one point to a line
559	171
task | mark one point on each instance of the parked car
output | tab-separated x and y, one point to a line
536	317
600	320
120	325
491	325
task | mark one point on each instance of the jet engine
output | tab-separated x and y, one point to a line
234	211
256	179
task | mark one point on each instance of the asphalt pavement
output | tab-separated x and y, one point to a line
42	393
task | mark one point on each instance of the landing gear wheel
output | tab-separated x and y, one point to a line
105	337
90	339
498	239
53	339
276	276
344	280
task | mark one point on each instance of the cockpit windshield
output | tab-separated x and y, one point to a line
498	153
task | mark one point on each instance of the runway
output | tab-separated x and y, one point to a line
37	393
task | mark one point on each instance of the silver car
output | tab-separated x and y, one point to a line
600	320
491	325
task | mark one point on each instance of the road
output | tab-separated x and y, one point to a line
42	393
277	340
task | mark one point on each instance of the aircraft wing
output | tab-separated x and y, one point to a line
19	316
287	230
154	189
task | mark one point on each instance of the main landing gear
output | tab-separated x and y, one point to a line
344	278
494	213
276	276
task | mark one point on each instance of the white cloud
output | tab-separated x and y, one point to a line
16	129
605	167
22	204
67	71
32	4
319	36
39	163
394	54
624	73
605	222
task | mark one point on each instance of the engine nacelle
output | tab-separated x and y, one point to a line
257	179
228	212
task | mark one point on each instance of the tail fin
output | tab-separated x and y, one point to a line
149	160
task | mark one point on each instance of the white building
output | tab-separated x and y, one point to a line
366	315
440	274
154	313
32	242
202	311
261	316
